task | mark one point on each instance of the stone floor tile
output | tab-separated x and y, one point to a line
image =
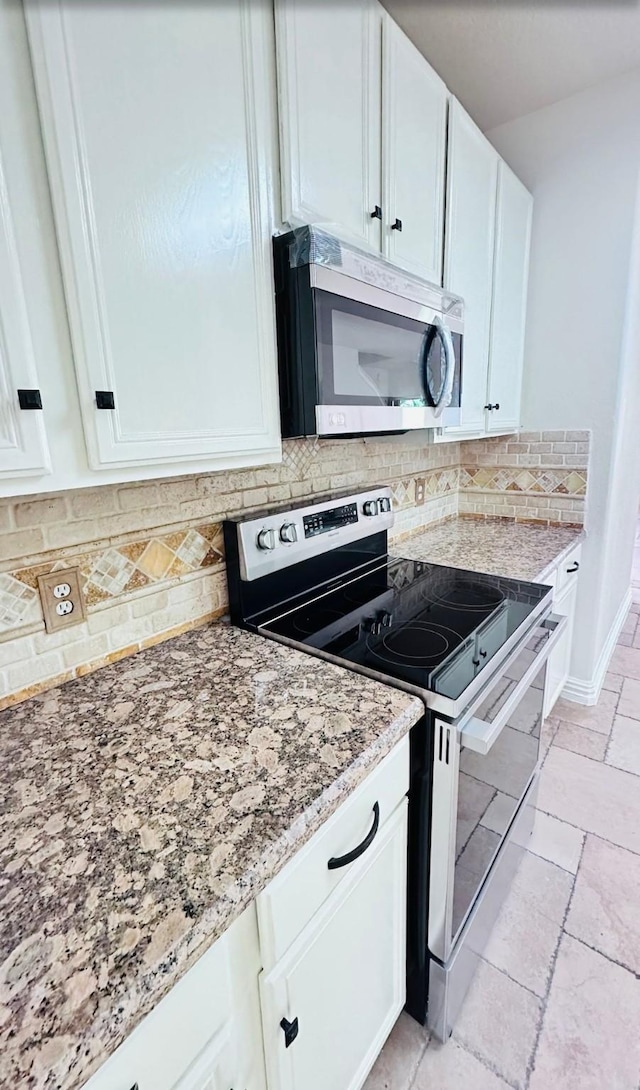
592	796
604	909
547	734
636	640
598	717
629	703
545	887
581	740
589	1037
523	943
625	639
556	841
630	624
626	661
498	1023
451	1067
624	745
613	682
398	1062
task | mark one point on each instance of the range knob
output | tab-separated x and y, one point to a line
384	504
370	507
289	533
267	540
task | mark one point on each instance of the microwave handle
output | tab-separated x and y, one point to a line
479	734
443	333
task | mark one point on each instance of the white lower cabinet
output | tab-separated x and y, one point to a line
564	604
329	1004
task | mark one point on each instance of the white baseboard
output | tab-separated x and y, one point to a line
588	692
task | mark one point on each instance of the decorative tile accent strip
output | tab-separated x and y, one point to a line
571	482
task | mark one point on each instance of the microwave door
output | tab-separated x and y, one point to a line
371	368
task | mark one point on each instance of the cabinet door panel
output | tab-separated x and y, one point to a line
468	257
560	658
157	131
414	113
344	978
510	278
23	444
329	105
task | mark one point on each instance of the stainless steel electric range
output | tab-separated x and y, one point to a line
474	648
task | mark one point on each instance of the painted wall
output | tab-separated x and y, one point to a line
581	159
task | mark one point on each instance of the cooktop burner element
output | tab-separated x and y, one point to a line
308	621
417	644
468	596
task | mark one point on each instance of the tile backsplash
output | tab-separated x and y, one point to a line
151	555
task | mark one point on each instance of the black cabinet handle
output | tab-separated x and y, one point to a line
573	568
29	399
397	226
483	654
377	213
343	860
105	399
496	406
290	1031
476	662
135	1086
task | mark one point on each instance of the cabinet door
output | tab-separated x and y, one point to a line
329	105
510	278
414	133
560	658
468	255
23	443
344	977
157	121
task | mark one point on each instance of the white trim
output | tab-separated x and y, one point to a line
588	692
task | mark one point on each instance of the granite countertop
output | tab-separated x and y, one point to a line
519	550
145	806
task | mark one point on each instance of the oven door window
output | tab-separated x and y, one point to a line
491	786
368	356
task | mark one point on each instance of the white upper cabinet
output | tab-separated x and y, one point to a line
329	102
468	255
414	124
158	122
510	277
23	444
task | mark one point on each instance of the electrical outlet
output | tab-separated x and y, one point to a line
419	491
62	600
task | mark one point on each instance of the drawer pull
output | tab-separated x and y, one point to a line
105	399
29	399
338	861
574	567
377	213
397	226
290	1031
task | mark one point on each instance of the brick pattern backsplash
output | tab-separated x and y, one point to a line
151	554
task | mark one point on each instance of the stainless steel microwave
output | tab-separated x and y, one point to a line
363	347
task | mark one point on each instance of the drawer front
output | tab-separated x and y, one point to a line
292	898
168	1041
567	570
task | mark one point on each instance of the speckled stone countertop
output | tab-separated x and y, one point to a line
145	806
518	550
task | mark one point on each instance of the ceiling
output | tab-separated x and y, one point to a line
506	58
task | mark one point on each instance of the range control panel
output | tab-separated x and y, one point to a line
278	540
323	521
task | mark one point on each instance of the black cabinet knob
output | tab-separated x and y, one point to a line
377	213
105	399
29	399
290	1031
490	406
574	567
397	226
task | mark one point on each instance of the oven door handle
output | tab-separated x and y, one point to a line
479	734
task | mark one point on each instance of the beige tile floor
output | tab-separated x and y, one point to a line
556	1003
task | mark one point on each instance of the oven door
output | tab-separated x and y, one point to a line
483	766
384	363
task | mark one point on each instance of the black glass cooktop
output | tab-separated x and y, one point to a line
433	626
